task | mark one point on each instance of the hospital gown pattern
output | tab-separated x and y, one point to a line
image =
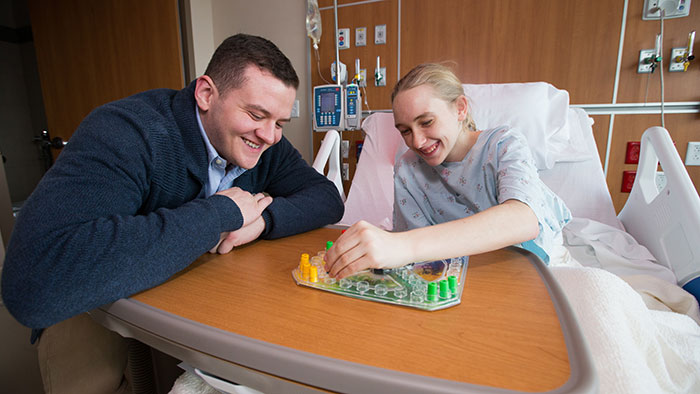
499	167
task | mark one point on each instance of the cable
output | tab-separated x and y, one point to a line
646	91
318	66
364	93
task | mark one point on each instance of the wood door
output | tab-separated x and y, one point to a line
93	52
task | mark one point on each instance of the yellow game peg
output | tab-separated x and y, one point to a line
305	268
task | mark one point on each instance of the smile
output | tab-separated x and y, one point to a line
251	144
430	149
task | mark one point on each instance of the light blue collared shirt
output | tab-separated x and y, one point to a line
219	178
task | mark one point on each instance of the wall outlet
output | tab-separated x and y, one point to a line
379	34
692	155
295	109
345	171
628	181
363	77
345	148
360	36
632	153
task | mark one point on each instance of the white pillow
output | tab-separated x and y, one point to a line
536	109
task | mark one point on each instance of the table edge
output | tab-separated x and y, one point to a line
324	372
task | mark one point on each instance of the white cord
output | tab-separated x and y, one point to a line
646	91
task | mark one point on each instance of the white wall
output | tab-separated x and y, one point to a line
280	21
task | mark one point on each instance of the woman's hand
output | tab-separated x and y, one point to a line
364	246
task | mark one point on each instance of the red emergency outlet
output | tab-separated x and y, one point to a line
632	154
628	181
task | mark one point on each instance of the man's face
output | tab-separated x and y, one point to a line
245	121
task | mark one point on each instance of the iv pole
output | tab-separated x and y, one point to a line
337	50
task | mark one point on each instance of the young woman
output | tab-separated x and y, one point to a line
458	191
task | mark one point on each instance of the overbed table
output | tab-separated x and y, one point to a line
241	317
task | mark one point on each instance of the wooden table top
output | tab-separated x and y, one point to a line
505	333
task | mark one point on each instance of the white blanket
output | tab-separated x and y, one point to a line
635	349
639	326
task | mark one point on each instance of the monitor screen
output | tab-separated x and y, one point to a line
327	102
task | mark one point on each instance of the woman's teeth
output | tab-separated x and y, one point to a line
431	149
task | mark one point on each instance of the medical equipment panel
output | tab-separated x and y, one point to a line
353	107
328	107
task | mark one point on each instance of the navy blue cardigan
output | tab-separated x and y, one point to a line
123	209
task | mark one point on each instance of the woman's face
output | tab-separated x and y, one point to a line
430	126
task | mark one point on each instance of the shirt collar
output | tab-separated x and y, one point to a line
212	154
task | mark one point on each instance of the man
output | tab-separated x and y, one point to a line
149	183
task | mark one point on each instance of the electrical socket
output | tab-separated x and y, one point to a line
627	181
360	36
345	148
692	155
345	171
632	153
379	34
295	109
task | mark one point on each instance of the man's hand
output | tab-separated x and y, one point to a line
243	235
251	205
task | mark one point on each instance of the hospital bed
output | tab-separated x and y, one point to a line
622	274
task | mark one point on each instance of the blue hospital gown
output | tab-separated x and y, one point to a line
499	167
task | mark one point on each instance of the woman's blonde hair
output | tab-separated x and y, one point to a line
445	83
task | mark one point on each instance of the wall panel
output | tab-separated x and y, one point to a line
641	34
363	15
353	16
573	45
570	44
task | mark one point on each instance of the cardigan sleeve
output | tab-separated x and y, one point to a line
83	238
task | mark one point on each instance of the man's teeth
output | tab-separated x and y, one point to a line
251	144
